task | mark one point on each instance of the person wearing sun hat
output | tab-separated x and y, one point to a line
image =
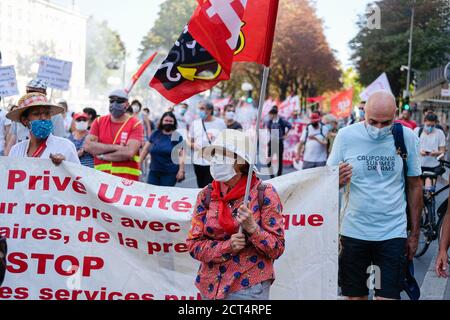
34	112
235	264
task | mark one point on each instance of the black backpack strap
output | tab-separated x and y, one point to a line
208	193
420	131
402	151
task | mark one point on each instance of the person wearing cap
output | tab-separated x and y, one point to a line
236	264
78	136
374	228
35	112
202	133
278	129
313	144
115	140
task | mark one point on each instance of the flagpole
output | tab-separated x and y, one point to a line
262	99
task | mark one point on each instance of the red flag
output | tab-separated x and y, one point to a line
140	72
256	39
203	55
341	104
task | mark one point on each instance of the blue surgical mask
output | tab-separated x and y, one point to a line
41	129
377	133
117	110
183	112
429	129
362	114
329	127
203	115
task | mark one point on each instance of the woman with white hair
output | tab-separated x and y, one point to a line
236	246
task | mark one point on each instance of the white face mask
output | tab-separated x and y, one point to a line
136	109
230	115
377	133
81	126
222	170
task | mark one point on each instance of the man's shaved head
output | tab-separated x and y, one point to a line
381	109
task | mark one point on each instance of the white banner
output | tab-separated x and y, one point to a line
78	234
382	83
8	82
56	73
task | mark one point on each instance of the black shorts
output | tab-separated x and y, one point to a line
357	256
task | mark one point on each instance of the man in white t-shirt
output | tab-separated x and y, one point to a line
432	145
35	113
314	144
202	133
5	126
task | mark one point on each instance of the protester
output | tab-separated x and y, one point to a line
136	108
164	145
180	114
406	120
92	113
442	259
278	130
314	144
332	125
362	111
67	117
426	112
230	118
374	225
202	133
115	140
35	113
5	126
78	137
235	265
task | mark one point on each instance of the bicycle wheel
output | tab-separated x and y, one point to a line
442	213
426	233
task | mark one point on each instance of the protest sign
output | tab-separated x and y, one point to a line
56	73
8	82
78	234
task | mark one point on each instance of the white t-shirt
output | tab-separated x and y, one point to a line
55	145
431	142
20	131
314	151
197	132
3	123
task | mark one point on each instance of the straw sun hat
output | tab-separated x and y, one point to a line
29	101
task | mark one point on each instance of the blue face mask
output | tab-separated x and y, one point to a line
429	129
41	129
377	133
117	110
203	115
362	114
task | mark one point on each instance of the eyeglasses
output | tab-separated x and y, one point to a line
39	114
81	120
118	100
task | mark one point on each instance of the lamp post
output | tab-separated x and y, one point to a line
408	81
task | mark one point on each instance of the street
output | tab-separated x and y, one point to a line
432	288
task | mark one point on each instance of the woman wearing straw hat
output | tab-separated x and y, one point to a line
35	113
235	264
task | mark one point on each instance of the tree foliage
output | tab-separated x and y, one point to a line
386	49
103	46
173	17
25	62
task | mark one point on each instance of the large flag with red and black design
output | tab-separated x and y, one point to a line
214	38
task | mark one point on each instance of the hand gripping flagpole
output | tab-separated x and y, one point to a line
262	99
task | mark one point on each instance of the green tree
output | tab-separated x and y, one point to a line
105	51
386	49
173	17
350	78
25	62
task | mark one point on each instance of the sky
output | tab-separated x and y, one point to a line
133	18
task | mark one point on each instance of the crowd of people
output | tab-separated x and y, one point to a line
237	246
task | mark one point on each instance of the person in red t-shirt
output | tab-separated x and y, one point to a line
115	140
406	121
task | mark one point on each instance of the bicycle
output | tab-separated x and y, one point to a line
430	227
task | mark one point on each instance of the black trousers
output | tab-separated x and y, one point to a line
279	151
203	175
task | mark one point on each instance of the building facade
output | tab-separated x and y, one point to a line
32	28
